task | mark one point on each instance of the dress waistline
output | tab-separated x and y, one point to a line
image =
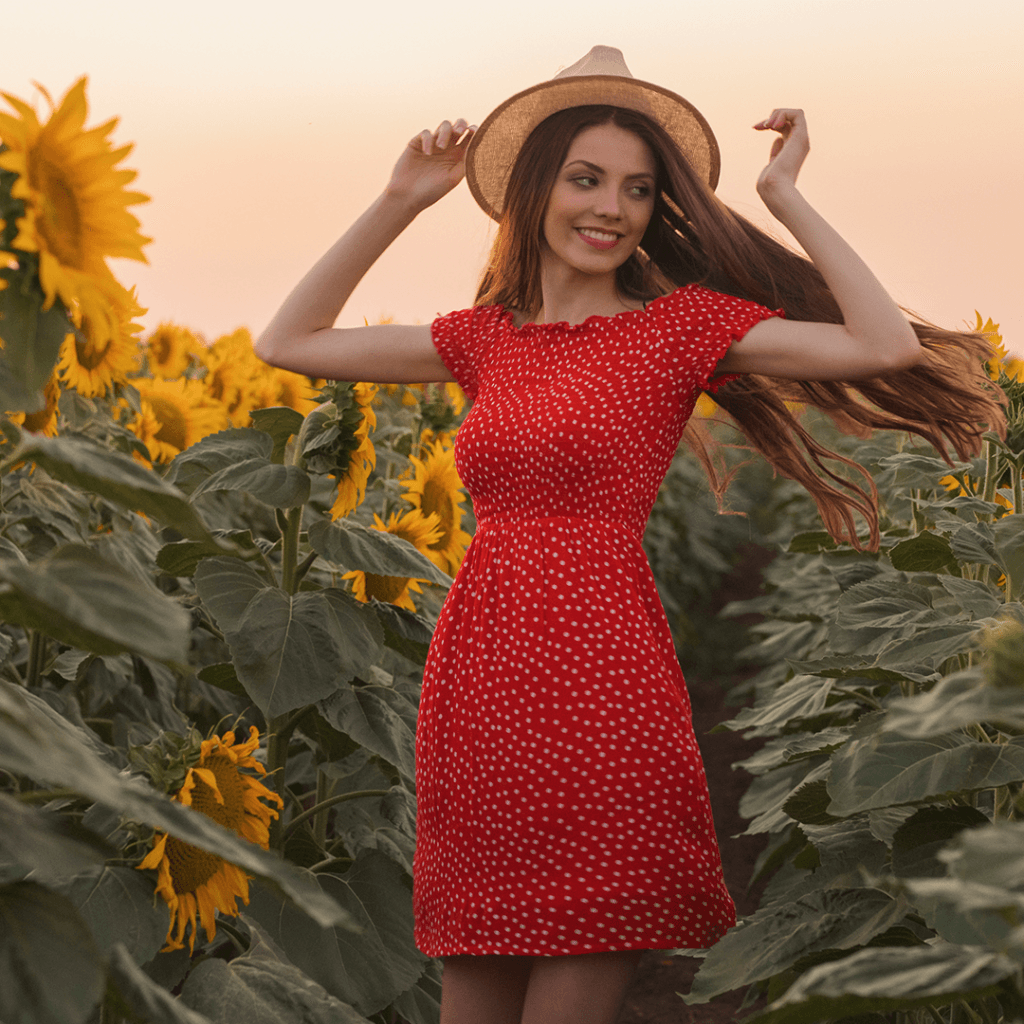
497	519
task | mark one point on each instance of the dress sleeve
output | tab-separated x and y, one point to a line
454	336
704	324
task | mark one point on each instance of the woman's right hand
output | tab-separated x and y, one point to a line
432	164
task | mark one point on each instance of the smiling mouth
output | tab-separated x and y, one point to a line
598	239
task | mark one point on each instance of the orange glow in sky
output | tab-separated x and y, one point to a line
261	131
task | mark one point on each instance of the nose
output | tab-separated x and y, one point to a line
608	203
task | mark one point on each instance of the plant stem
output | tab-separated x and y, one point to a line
290	550
934	1014
330	802
329	861
988	492
277	757
324	787
44	796
36	657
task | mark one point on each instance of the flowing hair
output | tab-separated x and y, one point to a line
693	237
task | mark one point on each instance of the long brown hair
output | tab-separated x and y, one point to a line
693	237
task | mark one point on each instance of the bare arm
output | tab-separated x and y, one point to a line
301	337
874	337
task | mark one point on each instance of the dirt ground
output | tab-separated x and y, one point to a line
653	998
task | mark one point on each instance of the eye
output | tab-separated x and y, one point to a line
641	191
585	180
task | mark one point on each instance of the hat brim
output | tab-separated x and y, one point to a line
496	143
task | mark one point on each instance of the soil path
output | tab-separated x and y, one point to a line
653	998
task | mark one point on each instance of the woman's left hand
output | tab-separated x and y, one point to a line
789	150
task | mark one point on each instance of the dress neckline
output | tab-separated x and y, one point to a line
507	316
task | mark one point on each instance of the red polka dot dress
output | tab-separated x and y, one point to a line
562	803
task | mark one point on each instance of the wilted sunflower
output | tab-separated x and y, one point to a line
99	355
169	350
421	531
76	206
362	459
175	414
436	488
194	881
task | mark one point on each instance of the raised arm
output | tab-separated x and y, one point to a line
874	337
301	336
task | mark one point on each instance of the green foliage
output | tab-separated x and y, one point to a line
891	780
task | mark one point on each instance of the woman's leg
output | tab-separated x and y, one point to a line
484	989
584	989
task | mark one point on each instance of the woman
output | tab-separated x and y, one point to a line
564	823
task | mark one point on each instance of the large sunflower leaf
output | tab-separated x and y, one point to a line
116	477
118	906
291	650
378	718
32	340
32	746
215	452
273	484
352	546
954	702
143	997
50	969
369	969
776	937
914	469
82	600
226	586
887	978
262	987
421	1004
886	769
281	422
180	558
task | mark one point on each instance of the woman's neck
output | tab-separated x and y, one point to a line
570	296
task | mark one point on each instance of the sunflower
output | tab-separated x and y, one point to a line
45	420
282	387
436	488
170	349
421	531
363	458
192	881
175	414
96	357
76	206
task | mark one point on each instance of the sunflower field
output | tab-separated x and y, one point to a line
218	581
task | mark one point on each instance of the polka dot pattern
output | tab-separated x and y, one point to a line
562	803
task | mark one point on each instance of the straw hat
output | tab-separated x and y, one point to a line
599	77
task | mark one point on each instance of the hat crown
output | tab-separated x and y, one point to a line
601	60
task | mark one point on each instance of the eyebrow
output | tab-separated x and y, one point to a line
601	170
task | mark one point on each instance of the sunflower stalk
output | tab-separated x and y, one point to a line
36	657
44	796
324	791
329	802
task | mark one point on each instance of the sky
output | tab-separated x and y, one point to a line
261	131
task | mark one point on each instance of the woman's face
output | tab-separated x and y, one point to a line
602	200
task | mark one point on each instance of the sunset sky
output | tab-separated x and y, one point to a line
262	130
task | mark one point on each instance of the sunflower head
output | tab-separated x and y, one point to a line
335	440
435	489
170	349
74	213
44	421
212	776
174	414
421	531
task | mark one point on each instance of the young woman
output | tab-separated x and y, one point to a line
564	823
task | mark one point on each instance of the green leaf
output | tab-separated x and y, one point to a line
377	717
181	558
811	543
919	839
116	477
776	937
886	769
922	471
275	485
809	804
927	552
926	650
281	422
977	599
143	998
32	746
224	677
787	749
294	650
421	1004
119	905
262	987
50	969
215	452
82	600
32	340
887	979
404	631
351	546
955	702
49	844
802	696
226	587
370	969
